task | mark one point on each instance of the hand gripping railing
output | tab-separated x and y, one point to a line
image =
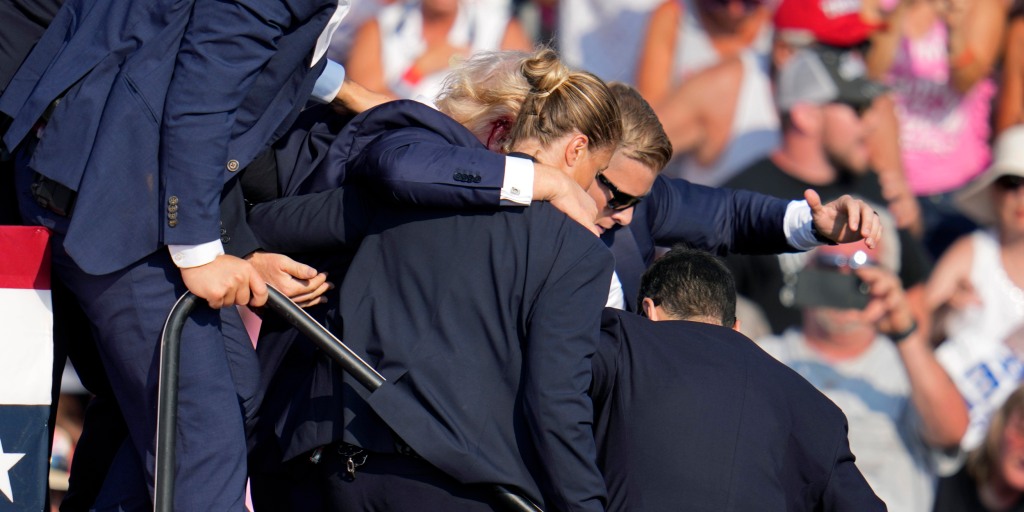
167	405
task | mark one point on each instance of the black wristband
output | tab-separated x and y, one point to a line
820	237
897	337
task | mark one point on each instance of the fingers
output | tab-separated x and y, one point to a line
313	293
295	288
315	297
871	227
297	269
813	200
240	296
215	302
855	211
888	302
304	292
258	287
877	307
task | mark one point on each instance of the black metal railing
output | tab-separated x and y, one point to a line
167	406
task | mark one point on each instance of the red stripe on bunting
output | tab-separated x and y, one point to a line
24	257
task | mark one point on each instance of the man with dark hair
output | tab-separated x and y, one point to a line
689	411
691	285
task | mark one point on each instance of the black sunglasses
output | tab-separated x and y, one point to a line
858	108
620	200
1007	182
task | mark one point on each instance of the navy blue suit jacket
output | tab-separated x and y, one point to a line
163	100
717	220
696	417
483	323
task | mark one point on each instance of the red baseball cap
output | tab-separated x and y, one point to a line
831	22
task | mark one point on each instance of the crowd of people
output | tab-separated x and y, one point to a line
803	220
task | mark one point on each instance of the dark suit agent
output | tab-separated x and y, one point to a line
483	324
128	170
640	210
691	415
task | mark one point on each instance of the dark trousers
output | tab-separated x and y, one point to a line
385	482
218	379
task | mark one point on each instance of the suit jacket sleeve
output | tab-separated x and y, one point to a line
411	165
224	47
605	361
563	335
847	490
313	222
420	167
235	233
719	220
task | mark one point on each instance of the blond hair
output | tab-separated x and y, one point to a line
536	94
643	137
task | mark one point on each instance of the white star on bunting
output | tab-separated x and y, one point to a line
7	461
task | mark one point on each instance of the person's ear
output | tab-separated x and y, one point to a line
807	118
498	139
576	149
650	310
736	325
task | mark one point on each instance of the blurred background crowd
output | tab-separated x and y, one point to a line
914	105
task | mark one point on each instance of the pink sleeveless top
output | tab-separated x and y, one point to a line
944	134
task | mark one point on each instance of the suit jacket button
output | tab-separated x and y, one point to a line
173	200
232	165
172	216
225	239
172	208
172	223
476	179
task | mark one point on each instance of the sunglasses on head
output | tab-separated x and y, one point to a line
620	200
1008	182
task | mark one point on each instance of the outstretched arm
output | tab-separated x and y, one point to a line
844	220
719	220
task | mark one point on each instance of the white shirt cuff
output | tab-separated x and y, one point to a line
188	256
798	225
329	83
517	187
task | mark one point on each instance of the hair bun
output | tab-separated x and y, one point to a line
545	72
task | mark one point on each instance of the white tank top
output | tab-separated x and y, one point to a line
754	133
694	50
982	366
480	25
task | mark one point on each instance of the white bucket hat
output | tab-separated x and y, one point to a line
975	200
